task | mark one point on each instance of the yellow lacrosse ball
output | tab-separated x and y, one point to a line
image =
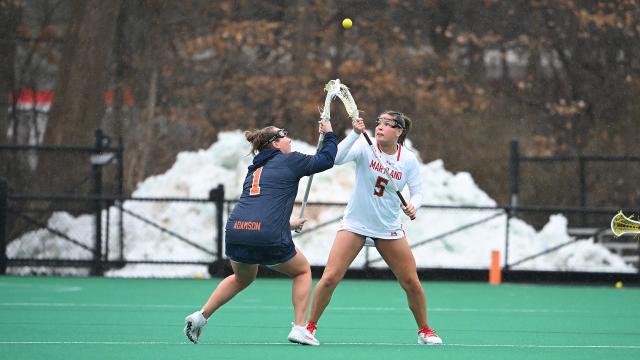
619	285
347	23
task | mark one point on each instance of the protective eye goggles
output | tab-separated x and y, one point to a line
390	123
278	135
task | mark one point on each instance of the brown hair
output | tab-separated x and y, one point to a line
259	137
402	120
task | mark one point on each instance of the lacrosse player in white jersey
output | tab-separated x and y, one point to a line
374	212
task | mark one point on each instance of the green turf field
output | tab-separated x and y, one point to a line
96	318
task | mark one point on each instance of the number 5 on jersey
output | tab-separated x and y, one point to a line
380	185
255	183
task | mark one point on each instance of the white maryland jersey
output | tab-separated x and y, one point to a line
374	208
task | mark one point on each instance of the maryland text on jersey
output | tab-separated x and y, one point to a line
379	168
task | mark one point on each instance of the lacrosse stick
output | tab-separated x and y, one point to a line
332	88
350	105
621	225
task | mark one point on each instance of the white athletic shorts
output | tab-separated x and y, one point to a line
370	235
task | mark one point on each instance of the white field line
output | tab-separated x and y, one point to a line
368	344
284	308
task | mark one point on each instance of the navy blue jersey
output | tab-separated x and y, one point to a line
261	217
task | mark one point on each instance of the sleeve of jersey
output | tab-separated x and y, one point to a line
346	151
415	184
321	161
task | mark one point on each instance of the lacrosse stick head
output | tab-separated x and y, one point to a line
621	224
332	88
347	100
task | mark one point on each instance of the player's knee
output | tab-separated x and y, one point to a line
243	282
304	271
411	286
330	279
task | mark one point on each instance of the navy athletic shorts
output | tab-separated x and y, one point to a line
260	254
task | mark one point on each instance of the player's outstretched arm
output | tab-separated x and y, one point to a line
345	154
326	156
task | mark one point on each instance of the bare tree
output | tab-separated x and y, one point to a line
78	104
8	32
8	28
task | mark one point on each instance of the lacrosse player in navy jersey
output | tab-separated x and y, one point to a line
374	212
258	231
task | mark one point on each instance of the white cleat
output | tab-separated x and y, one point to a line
427	336
193	325
300	335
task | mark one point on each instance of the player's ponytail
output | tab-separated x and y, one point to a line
259	137
402	121
407	128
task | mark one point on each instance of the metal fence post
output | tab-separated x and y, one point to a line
583	187
506	239
217	195
120	159
4	194
514	172
366	258
96	170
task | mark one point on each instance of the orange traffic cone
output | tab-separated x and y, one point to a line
495	273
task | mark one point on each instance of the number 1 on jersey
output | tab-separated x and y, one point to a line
380	186
255	183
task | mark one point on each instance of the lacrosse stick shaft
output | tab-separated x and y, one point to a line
386	170
308	189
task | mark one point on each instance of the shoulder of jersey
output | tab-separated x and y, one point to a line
408	154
